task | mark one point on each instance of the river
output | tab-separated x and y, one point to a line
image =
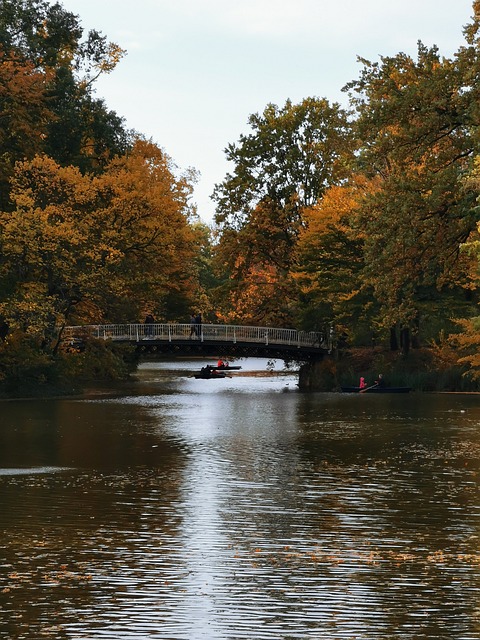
180	509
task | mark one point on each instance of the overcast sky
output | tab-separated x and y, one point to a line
196	69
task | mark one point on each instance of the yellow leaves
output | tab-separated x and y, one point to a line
364	556
338	208
253	300
113	56
53	578
467	345
329	253
104	253
22	102
87	239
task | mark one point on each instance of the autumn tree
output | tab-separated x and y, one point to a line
46	83
144	213
96	248
329	263
417	122
293	154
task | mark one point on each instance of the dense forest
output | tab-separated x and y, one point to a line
362	218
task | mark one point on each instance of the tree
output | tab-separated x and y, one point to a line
144	224
284	166
293	154
24	115
46	79
87	248
330	262
416	122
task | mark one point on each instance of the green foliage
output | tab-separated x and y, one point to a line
417	124
428	369
46	90
360	219
366	219
98	360
27	369
24	367
292	155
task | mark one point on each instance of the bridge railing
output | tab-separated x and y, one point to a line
205	332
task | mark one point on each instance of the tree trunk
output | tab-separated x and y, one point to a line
405	339
393	339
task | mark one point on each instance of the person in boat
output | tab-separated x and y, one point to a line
220	363
381	381
362	384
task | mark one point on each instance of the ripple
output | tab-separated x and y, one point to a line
28	471
232	515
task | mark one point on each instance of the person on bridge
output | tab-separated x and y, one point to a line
198	322
193	325
149	321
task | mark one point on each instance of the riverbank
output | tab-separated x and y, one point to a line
426	369
71	374
27	371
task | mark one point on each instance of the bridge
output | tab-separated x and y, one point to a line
210	340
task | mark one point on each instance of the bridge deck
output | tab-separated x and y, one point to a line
205	337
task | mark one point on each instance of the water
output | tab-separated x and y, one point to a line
184	509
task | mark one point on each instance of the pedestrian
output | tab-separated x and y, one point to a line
198	323
193	325
149	321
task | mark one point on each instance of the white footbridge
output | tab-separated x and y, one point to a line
206	338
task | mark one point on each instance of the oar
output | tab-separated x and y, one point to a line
367	388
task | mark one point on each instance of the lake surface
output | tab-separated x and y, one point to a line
185	509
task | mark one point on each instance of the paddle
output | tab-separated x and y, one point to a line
367	388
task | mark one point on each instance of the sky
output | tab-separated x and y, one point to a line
195	70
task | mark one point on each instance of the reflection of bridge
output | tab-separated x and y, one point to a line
211	339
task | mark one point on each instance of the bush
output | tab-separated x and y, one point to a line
28	370
99	360
428	369
24	367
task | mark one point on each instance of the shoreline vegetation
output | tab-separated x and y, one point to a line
28	373
431	369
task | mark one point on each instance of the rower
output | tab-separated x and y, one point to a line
380	382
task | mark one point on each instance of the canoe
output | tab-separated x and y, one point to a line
377	390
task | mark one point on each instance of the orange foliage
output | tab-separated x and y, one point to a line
75	240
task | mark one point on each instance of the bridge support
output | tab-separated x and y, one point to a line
318	375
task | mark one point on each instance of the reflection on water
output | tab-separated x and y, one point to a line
239	508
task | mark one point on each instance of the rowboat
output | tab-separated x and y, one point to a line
209	375
227	367
376	389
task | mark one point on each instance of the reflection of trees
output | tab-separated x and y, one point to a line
71	535
400	510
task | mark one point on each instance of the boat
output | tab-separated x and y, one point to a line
209	372
209	375
227	367
376	389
